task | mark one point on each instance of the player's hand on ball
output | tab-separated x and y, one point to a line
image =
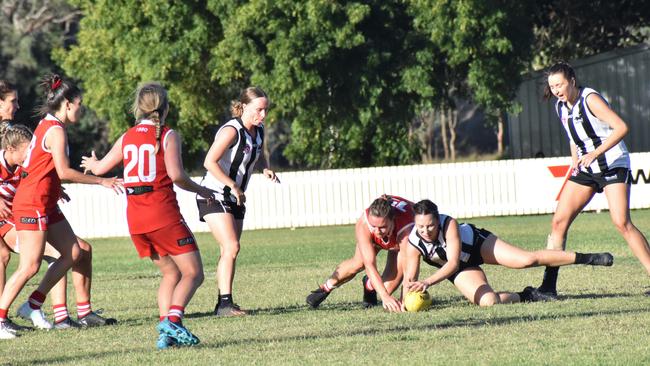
417	301
417	286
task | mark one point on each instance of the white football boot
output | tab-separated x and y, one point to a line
35	316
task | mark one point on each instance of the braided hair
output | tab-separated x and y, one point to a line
13	134
151	103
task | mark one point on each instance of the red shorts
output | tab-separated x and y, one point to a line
36	220
174	239
5	227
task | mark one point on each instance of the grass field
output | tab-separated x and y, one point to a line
603	316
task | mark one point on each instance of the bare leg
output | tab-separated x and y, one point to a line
497	251
473	284
347	269
28	265
618	196
170	278
227	232
393	271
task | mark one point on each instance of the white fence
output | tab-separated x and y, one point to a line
336	197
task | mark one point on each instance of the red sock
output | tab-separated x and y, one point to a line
36	300
175	313
60	313
83	309
162	317
3	314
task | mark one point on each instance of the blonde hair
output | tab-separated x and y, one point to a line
245	97
13	134
151	102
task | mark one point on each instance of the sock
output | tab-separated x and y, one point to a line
328	286
3	314
368	285
162	317
582	258
175	314
60	313
36	300
83	309
525	296
549	283
225	299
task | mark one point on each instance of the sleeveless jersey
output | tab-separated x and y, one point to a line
238	160
588	132
9	180
403	221
40	186
151	200
435	253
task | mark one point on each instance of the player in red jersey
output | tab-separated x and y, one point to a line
15	139
151	154
35	209
386	224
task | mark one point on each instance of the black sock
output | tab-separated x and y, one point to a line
225	299
525	296
549	283
583	258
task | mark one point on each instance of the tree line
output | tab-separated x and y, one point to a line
352	83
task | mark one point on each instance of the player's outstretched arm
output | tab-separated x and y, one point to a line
454	245
175	170
56	141
370	263
411	270
108	162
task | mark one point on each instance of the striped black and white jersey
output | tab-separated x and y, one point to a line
238	161
588	132
435	253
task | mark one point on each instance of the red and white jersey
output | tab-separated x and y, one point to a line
151	200
9	180
402	223
40	186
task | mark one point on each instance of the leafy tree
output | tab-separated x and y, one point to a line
346	74
566	30
486	46
122	43
28	32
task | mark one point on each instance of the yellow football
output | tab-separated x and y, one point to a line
417	301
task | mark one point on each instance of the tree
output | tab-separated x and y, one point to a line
566	30
346	75
122	43
29	30
486	45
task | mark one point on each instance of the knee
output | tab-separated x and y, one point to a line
527	261
622	224
488	299
75	253
29	270
230	250
195	275
5	256
559	223
172	276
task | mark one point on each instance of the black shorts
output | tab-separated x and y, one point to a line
220	207
475	259
598	181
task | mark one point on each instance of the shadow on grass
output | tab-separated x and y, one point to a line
595	296
337	333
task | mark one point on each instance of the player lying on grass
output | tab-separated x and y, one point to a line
383	225
458	250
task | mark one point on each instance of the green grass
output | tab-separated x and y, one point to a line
603	316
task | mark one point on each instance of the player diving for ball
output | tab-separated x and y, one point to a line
383	225
459	250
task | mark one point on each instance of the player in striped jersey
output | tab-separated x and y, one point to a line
600	162
229	163
384	225
458	250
